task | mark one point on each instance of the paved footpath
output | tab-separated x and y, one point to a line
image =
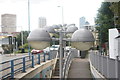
80	68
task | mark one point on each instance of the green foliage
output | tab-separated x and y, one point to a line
25	46
115	7
104	21
25	35
19	51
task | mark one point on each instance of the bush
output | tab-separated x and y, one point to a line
25	46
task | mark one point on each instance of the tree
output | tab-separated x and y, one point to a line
25	35
115	7
105	21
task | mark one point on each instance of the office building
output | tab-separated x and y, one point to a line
82	22
42	22
8	23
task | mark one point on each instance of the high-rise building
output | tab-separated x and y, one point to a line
42	22
88	26
82	22
8	23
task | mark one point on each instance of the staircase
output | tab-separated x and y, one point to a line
55	73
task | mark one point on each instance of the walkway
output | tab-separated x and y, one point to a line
79	69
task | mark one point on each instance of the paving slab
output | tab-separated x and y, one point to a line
80	68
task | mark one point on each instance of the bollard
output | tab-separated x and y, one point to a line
23	65
44	57
32	61
38	58
12	68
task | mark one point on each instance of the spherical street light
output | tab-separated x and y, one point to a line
82	39
39	39
50	30
55	26
70	30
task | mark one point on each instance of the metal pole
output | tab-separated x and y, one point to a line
21	37
44	57
61	54
29	26
28	15
12	68
62	16
61	46
38	58
32	61
24	69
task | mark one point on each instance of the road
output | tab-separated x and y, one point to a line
8	57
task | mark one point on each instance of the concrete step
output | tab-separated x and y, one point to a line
57	69
56	72
55	77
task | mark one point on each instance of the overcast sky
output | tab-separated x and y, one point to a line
72	10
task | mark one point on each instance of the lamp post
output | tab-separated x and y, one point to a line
62	14
29	25
29	15
39	39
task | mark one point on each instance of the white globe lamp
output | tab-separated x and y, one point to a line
39	39
82	39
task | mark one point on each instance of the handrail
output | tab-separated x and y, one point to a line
25	64
104	66
67	63
54	65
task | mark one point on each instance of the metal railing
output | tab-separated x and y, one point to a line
52	71
109	68
67	63
10	68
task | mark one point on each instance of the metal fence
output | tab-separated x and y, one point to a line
109	68
10	68
68	59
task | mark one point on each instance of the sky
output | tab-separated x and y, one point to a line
72	11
